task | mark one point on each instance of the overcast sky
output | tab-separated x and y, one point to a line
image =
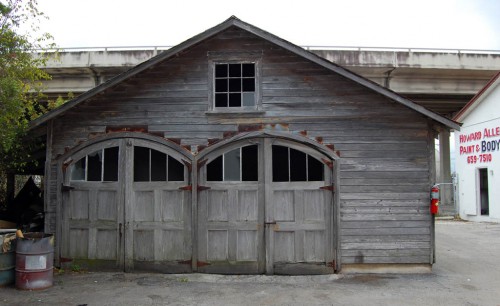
455	24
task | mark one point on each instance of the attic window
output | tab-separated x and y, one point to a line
235	81
234	85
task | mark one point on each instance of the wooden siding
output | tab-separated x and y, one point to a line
384	175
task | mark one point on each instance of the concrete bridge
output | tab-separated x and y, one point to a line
440	80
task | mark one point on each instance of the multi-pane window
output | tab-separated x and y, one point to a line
240	164
234	85
154	166
290	165
99	166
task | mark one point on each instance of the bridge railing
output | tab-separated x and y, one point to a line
307	47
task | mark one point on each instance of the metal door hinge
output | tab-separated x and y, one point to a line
201	188
202	263
328	187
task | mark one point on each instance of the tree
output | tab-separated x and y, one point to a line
22	53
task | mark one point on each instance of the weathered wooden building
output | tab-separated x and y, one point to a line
239	152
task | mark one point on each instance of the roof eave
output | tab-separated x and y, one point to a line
233	21
346	73
472	104
131	72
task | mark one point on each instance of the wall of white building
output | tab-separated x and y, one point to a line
477	146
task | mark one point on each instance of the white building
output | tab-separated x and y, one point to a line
478	155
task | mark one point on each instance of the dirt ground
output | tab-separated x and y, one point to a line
467	272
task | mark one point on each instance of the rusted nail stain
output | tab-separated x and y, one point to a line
212	141
249	127
328	162
229	134
131	128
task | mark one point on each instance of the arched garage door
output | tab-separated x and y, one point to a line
124	207
265	206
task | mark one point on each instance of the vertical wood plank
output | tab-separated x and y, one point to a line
269	205
232	210
298	201
129	206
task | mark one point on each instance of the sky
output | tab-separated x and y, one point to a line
439	24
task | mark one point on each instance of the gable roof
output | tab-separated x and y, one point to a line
478	98
233	21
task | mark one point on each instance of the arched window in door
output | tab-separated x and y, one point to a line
290	165
154	166
98	166
240	164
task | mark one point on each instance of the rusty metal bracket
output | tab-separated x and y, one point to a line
328	187
201	188
188	187
202	263
328	162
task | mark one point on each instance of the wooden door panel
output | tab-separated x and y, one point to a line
92	223
79	201
247	245
78	243
229	230
106	244
161	231
172	205
248	209
284	207
144	243
284	247
144	206
314	246
107	205
299	216
217	245
217	205
314	205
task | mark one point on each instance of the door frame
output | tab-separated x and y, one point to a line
306	145
102	141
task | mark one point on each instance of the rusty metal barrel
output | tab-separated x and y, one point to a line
7	256
35	261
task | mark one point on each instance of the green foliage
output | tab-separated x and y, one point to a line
23	51
20	75
76	268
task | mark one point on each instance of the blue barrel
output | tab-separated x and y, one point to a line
35	261
7	256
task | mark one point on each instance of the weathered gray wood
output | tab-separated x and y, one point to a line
381	178
303	214
230	222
